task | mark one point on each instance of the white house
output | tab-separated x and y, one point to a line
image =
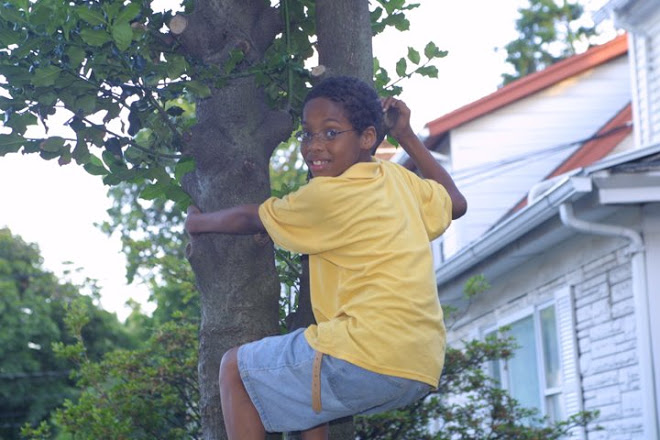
562	174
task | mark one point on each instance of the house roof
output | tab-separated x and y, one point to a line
527	85
636	170
594	149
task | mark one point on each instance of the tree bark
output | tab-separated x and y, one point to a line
343	28
232	143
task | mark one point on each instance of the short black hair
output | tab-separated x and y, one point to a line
360	101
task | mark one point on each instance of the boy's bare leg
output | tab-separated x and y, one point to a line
318	433
241	418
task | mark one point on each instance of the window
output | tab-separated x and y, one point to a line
533	375
544	372
438	251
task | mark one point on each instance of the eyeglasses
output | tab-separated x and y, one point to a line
305	137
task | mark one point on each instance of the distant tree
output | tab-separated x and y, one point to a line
142	394
151	392
33	305
548	31
153	241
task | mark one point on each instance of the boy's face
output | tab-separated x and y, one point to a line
330	144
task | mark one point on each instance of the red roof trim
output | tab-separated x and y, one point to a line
595	149
530	84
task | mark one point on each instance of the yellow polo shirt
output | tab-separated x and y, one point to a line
373	289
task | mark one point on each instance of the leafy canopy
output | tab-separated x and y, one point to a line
33	307
549	31
105	85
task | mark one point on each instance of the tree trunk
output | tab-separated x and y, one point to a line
232	143
343	28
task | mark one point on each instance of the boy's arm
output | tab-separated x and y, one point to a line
242	219
421	156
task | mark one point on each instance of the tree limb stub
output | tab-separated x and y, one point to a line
318	71
178	24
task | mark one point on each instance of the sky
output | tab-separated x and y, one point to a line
57	207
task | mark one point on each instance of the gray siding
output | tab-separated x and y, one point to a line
597	271
644	43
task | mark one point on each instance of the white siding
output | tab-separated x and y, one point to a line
599	356
651	233
645	51
569	355
569	111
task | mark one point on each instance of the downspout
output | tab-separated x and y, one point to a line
642	321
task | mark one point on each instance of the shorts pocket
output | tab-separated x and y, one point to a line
359	389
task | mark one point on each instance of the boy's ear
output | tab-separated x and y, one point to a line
368	138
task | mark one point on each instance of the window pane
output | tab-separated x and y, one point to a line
553	408
494	366
523	368
550	347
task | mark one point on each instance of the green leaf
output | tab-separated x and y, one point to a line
91	16
9	37
45	76
133	155
42	15
47	155
53	144
153	191
81	153
429	71
86	104
128	13
65	158
12	15
176	66
95	167
20	121
413	55
235	57
113	162
401	67
31	146
95	37
144	137
123	35
175	193
183	167
10	143
198	89
399	21
112	179
111	9
76	55
432	51
47	99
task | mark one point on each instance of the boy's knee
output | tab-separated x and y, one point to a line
229	366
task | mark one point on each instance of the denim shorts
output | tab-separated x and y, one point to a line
277	374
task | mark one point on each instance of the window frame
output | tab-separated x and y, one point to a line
541	375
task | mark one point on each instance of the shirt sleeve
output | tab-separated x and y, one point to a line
436	209
435	205
295	221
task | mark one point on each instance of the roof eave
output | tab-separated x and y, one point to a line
533	215
546	206
528	85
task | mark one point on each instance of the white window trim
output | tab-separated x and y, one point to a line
572	400
571	389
